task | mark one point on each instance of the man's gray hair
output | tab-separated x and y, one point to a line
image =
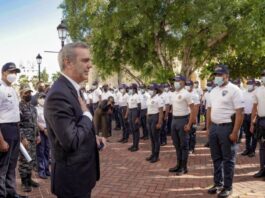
68	52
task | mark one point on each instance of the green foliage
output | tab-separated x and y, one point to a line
148	34
23	79
55	76
44	76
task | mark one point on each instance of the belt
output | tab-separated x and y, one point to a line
10	124
247	114
223	124
153	114
180	117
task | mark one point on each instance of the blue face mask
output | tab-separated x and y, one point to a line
219	81
209	88
130	92
263	79
177	85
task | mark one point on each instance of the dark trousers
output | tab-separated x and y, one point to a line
8	161
262	154
124	122
152	120
251	141
85	196
43	151
192	142
223	153
199	116
134	127
163	131
180	138
94	107
143	123
109	124
169	122
116	116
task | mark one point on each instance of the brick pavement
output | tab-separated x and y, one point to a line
126	174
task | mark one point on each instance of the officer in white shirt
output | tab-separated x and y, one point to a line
224	119
133	116
251	141
154	121
116	96
9	133
123	103
169	90
258	114
95	95
165	99
105	94
143	98
196	102
183	118
199	91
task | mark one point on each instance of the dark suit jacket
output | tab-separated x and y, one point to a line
73	143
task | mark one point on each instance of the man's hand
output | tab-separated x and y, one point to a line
251	128
4	146
233	137
25	143
38	140
187	128
82	104
45	132
158	125
101	140
137	121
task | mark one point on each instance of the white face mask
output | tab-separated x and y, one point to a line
196	85
166	89
209	88
151	92
130	92
142	91
11	78
177	85
250	87
93	87
123	91
219	81
188	88
263	79
41	102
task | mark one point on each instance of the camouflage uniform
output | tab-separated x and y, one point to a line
28	129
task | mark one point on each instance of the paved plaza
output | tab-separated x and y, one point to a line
126	174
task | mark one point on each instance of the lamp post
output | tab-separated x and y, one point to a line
62	32
39	59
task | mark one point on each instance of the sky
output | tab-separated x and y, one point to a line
28	27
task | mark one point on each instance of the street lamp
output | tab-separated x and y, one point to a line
62	32
39	59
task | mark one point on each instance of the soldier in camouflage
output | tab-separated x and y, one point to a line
29	136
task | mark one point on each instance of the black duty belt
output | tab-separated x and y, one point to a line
223	124
181	117
153	114
11	124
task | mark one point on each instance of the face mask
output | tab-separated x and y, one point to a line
250	87
11	78
93	87
151	92
177	85
41	102
142	91
209	88
263	79
27	98
130	92
188	88
219	81
196	85
123	91
166	89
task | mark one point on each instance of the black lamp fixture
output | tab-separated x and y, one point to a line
39	59
62	32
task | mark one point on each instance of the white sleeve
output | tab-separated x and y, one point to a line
189	98
255	98
196	99
208	101
160	103
238	100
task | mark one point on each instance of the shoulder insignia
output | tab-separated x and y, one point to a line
224	92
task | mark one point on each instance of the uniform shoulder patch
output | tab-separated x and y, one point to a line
224	92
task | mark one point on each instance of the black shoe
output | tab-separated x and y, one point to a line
134	149
163	144
174	169
130	148
48	174
34	184
245	152
146	138
120	140
42	176
149	158
259	174
182	171
26	187
207	145
154	159
224	193
251	154
215	189
125	141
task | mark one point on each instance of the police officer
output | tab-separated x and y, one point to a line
123	103
183	118
154	121
224	118
259	111
116	96
143	98
199	92
9	133
196	102
133	116
30	137
251	141
165	99
95	95
105	94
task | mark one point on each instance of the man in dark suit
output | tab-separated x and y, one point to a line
74	145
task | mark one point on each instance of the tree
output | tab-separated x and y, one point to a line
55	76
148	35
23	79
44	76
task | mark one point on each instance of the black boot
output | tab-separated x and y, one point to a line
259	174
149	158
183	169
155	158
25	184
32	183
176	168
